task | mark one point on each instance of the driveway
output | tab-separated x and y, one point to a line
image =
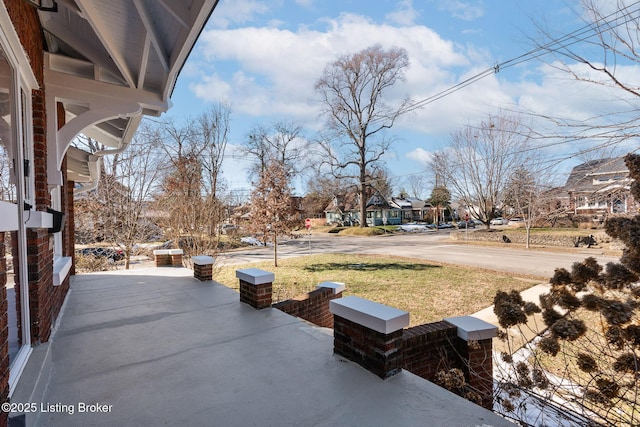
429	246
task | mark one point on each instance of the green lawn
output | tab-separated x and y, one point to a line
428	291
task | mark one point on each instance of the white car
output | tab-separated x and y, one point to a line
499	221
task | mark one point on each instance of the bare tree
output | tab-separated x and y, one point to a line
600	54
126	191
523	194
352	90
283	142
191	197
477	163
271	205
213	129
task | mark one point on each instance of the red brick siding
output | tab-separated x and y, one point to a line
478	358
430	348
69	239
202	272
27	24
4	330
377	352
257	296
43	199
312	306
436	346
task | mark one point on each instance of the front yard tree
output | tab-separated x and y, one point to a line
523	194
271	205
352	90
440	197
479	160
587	361
282	142
126	190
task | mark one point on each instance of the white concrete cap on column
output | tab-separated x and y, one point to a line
176	252
336	286
379	317
161	252
473	329
203	260
255	276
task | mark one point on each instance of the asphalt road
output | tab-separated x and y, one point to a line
428	246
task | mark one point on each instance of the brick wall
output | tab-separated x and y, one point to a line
377	352
312	306
69	240
433	347
4	329
27	24
478	357
430	348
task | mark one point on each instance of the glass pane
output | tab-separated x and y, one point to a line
8	193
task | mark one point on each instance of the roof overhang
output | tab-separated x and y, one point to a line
108	63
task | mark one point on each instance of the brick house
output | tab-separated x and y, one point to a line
69	67
599	188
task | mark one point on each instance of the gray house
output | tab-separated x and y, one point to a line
599	188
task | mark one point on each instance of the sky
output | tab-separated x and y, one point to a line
263	57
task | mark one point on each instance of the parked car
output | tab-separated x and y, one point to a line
516	221
415	227
229	229
466	224
445	225
112	254
499	221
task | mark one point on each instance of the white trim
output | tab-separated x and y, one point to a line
9	215
18	366
61	269
370	314
38	219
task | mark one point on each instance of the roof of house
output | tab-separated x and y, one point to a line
596	175
343	203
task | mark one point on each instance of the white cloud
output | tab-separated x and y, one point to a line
280	67
420	155
405	14
237	12
465	10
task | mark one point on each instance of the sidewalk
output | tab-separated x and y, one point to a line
527	332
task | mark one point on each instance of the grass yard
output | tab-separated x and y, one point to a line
428	291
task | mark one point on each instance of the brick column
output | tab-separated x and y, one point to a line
203	267
255	287
369	334
475	346
176	257
162	257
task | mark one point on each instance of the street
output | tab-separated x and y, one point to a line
428	246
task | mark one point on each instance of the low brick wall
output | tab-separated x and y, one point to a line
429	348
434	347
312	306
519	237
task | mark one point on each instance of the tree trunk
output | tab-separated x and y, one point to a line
275	248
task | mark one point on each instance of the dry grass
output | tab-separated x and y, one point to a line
429	291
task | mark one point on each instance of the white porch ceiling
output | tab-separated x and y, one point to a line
136	47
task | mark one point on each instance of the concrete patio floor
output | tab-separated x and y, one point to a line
154	347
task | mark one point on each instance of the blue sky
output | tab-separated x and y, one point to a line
263	58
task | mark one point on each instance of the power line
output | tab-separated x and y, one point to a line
532	54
